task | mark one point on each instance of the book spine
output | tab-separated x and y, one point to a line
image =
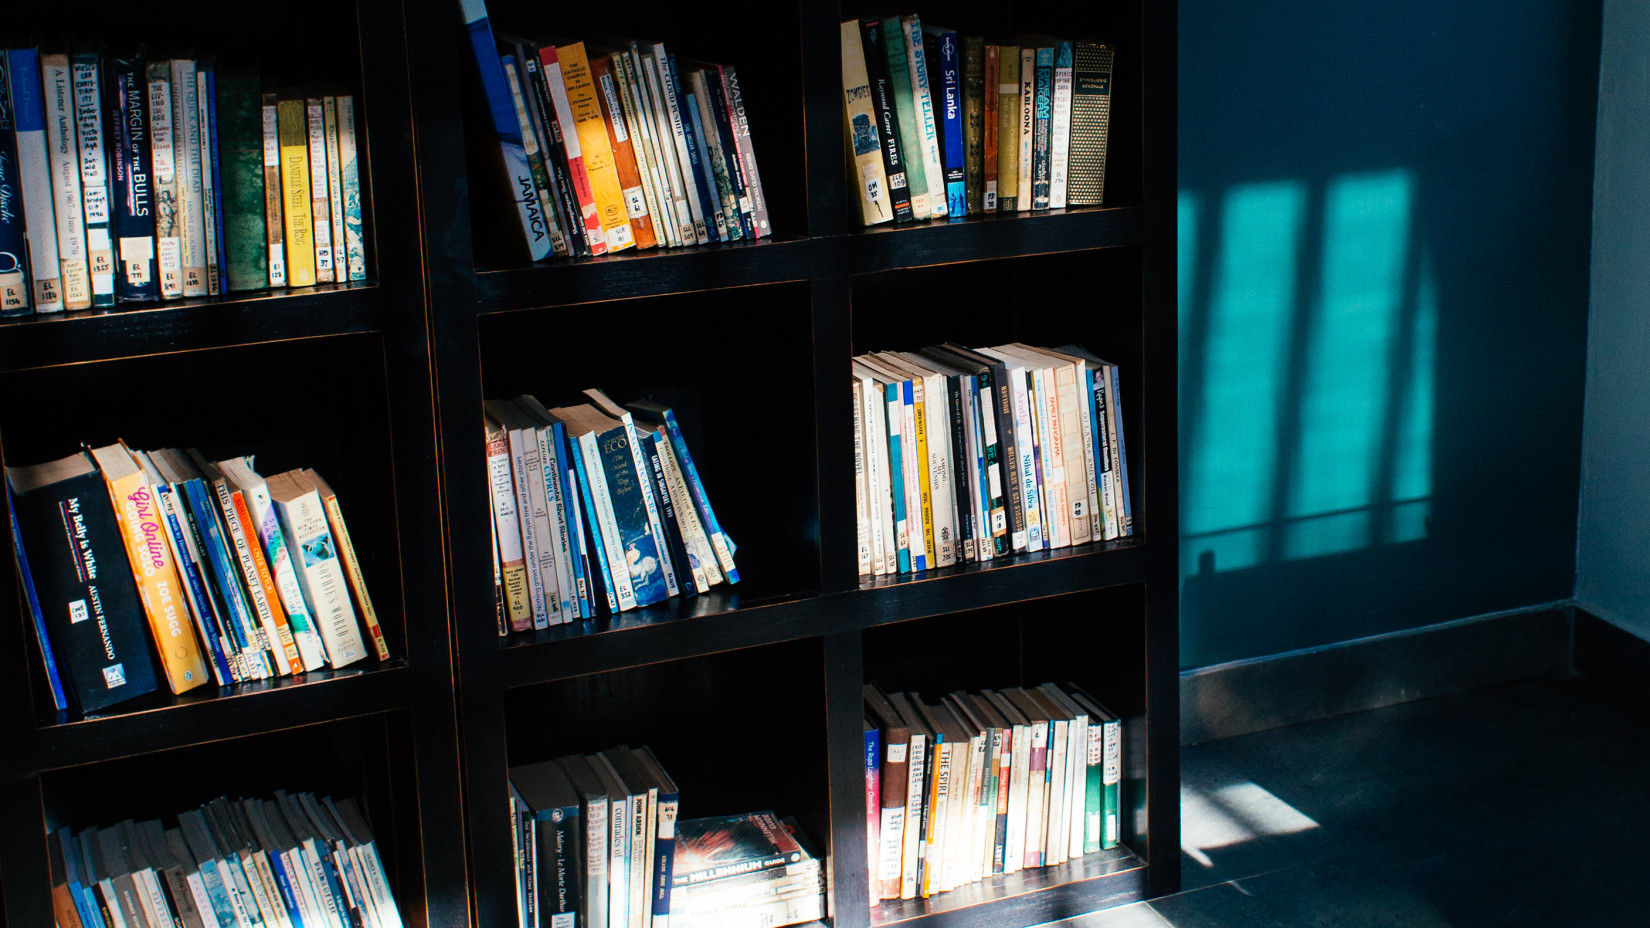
315	137
947	67
922	96
631	189
559	553
274	190
1026	125
862	513
518	177
505	519
1111	780
721	125
607	193
62	138
593	527
694	535
352	572
640	126
210	231
335	186
138	514
1008	129
1042	118
915	466
132	217
240	150
296	203
274	633
54	679
214	157
886	119
1069	436
186	151
563	201
240	623
618	865
623	518
1051	462
1120	450
990	123
692	185
187	559
521	74
355	245
652	505
588	215
653	90
710	152
903	92
873	808
893	776
94	175
15	299
964	491
577	553
34	172
304	521
896	463
915	795
664	858
1059	153
311	652
692	578
864	144
974	116
1090	122
710	196
720	543
526	523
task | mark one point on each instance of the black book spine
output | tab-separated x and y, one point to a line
667	515
132	219
84	584
15	297
560	864
736	167
564	200
882	102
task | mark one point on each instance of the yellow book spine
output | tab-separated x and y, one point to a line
605	188
921	406
1008	128
295	193
143	528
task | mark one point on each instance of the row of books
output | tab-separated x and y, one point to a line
964	455
235	577
292	860
981	784
145	178
599	843
613	146
941	125
594	505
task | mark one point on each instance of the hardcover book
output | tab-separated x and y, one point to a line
186	148
1008	129
945	78
274	210
298	240
82	580
132	214
893	776
241	150
1090	123
989	107
973	134
1026	125
15	298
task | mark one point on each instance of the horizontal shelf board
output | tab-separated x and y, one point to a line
889	247
569	282
210	714
1030	897
187	325
565	282
998	582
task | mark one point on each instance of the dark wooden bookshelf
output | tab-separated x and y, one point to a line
751	344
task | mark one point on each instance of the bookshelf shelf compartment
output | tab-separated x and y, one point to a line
258	317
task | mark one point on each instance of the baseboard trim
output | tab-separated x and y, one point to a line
1246	696
1616	659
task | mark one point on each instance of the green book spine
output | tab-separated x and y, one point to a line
1094	797
1112	782
905	111
241	148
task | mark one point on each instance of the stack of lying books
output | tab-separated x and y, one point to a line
744	870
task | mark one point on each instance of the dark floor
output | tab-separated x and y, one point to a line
1526	804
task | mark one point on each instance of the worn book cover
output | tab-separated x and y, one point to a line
722	846
241	150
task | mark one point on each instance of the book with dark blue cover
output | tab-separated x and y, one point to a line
553	805
724	130
679	554
592	528
14	275
501	110
730	230
724	548
696	166
83	581
1041	130
945	79
225	582
132	210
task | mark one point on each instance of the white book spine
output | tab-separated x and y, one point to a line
1054	832
203	903
272	162
163	154
1059	157
34	173
606	522
876	413
1027	464
320	209
1105	379
1085	420
862	513
335	186
694	536
209	193
943	496
618	871
670	221
864	419
94	178
543	541
1056	504
526	522
673	145
938	871
304	521
311	652
264	888
641	133
900	537
61	138
1020	759
186	145
1076	784
355	248
153	902
301	896
916	57
556	511
1028	110
644	475
915	794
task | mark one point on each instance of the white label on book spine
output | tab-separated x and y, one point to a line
635	202
896	753
171	262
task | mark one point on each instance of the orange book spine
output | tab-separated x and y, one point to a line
267	581
593	143
352	564
159	586
624	152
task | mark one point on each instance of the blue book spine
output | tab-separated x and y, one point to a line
53	678
639	551
897	481
580	555
132	216
664	855
679	553
1127	526
217	182
283	881
951	131
729	229
591	526
715	222
190	569
736	168
217	893
14	276
77	889
501	109
718	538
228	584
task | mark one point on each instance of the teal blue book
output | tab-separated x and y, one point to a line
1042	128
902	536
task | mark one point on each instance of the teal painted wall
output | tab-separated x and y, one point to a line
1384	241
1613	551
